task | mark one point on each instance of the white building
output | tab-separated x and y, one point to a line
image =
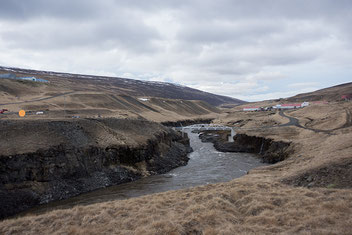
34	79
291	106
305	104
251	108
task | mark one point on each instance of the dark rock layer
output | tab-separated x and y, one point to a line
336	174
269	150
64	171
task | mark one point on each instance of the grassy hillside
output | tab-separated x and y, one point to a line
124	86
328	94
63	98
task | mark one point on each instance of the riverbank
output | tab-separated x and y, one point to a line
205	166
267	149
268	200
55	160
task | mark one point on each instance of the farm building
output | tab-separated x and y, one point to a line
8	75
278	106
291	106
41	80
33	79
13	76
251	108
305	104
346	97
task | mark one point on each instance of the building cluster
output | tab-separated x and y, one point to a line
13	76
277	107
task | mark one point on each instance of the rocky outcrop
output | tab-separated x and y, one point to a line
64	171
335	174
269	150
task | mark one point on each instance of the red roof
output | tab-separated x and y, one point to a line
346	96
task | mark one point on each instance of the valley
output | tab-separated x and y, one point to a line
97	132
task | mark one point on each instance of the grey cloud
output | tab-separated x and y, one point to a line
225	40
223	31
298	9
26	10
54	34
76	9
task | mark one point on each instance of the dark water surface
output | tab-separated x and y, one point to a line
206	166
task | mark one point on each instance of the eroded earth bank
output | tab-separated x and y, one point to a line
43	161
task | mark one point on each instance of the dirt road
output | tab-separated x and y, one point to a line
40	99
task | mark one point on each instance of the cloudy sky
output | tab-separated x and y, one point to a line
252	50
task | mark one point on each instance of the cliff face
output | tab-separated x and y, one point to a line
269	150
66	170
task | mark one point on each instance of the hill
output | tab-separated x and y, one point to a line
328	94
74	95
124	86
308	192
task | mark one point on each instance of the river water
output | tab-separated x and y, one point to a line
206	166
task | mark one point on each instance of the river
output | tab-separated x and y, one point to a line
206	166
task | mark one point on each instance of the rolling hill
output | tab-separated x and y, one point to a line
328	94
124	86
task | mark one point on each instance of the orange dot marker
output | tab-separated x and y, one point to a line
22	113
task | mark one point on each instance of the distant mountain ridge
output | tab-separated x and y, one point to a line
333	93
129	86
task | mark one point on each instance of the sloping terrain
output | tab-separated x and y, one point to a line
308	193
328	94
124	86
31	135
58	101
72	95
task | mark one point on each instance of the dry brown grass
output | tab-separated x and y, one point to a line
32	135
91	100
249	120
324	116
249	205
261	202
92	104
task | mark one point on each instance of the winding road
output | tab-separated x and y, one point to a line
295	122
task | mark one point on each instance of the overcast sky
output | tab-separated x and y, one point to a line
251	50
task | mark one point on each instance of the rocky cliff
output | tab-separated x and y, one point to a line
67	169
269	150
